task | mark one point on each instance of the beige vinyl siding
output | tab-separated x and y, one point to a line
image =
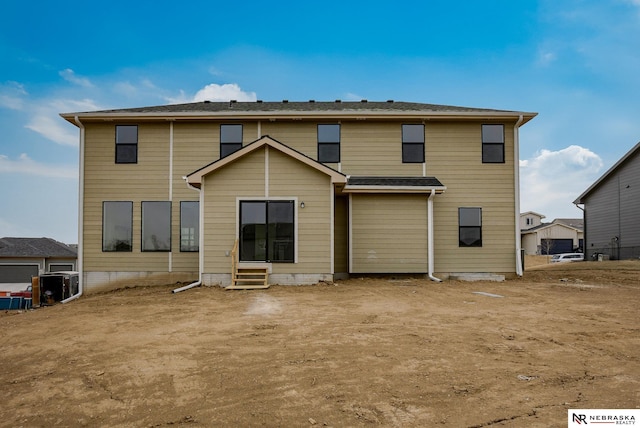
366	147
454	156
105	180
288	178
389	233
341	222
370	148
301	136
195	144
291	178
243	178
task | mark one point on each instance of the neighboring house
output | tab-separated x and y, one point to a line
611	207
530	219
313	191
562	235
23	258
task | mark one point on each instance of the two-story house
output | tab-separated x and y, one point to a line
611	205
314	191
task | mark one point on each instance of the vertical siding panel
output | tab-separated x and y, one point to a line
389	233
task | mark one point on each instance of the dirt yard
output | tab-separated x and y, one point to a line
393	352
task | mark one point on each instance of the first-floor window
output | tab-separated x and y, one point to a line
267	231
470	227
156	226
117	229
189	226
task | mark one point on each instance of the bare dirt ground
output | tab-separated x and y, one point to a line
363	352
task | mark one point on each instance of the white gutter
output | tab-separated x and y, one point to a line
79	266
430	237
516	175
200	243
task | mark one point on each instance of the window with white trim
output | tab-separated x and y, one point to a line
267	231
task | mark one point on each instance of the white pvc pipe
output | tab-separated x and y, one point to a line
186	287
430	239
79	266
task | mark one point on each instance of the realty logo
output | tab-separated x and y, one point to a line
579	418
599	417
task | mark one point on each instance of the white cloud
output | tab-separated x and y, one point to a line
545	57
226	92
25	165
551	180
47	122
350	96
181	98
70	76
12	96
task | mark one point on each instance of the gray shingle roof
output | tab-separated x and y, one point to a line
578	223
395	181
35	247
305	106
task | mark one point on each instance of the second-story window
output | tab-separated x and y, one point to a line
329	143
492	143
230	139
126	143
412	143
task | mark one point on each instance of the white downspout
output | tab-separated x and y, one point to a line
430	237
80	214
200	243
516	172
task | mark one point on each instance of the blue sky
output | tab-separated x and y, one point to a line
575	62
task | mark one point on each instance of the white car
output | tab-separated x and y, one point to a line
567	257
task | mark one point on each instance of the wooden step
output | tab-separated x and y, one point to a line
247	276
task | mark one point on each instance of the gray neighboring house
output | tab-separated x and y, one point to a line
612	210
23	258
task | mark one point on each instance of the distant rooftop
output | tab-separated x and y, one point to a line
35	247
